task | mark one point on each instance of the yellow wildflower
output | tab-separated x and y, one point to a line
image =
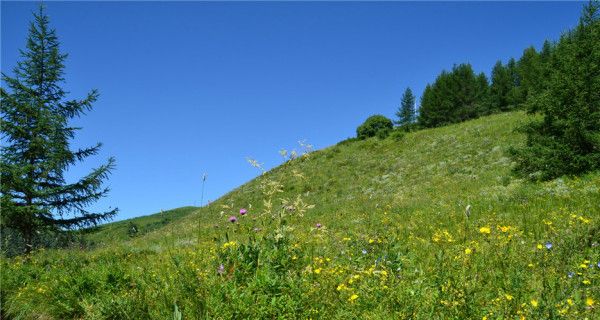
508	297
468	251
534	303
485	230
589	302
353	297
318	270
540	246
229	244
584	220
504	228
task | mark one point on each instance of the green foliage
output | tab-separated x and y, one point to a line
506	91
397	134
35	127
455	96
376	125
566	140
515	96
531	72
515	82
383	133
133	229
500	88
406	112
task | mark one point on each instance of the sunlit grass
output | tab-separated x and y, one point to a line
388	238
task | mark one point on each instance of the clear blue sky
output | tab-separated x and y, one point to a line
194	87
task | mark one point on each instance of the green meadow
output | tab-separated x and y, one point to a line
428	225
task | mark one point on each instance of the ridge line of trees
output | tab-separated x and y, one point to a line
561	83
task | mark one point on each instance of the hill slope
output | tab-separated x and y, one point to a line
122	230
387	238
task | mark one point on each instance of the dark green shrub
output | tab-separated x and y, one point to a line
132	229
383	133
372	126
397	134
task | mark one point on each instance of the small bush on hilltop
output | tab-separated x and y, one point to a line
376	125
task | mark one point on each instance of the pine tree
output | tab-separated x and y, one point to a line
500	88
406	112
515	96
427	108
436	106
35	196
530	72
567	138
483	94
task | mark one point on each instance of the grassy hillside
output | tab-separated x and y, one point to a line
370	229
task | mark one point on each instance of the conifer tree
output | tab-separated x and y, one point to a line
483	94
500	88
406	112
35	196
567	138
546	52
530	72
436	106
515	96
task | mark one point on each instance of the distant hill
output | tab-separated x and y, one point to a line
122	230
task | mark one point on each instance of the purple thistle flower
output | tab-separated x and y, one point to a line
243	211
570	274
232	219
319	226
548	245
598	264
364	251
221	269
